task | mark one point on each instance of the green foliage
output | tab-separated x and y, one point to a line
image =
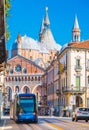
7	14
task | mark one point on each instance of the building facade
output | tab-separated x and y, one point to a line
72	84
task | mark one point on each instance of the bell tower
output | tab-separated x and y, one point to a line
19	41
76	31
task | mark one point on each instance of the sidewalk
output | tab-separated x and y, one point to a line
2	120
60	117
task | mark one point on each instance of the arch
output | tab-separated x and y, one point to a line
35	78
26	89
22	88
79	101
35	87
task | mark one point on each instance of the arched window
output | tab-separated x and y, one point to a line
25	78
17	89
11	71
15	78
12	79
26	90
19	79
35	78
32	78
24	70
28	78
38	78
9	79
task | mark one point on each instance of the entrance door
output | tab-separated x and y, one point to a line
79	101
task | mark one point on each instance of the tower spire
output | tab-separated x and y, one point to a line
76	31
41	31
76	25
46	20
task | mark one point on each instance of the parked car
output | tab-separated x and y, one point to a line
80	113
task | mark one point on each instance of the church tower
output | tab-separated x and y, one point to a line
19	41
41	32
76	31
45	26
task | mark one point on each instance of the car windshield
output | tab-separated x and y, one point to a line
84	109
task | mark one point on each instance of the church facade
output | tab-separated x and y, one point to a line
29	59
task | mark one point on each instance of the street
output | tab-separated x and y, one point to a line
45	123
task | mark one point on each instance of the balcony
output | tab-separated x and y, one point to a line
73	90
78	68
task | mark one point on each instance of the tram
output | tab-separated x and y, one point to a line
24	108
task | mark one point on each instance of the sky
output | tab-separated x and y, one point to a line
26	18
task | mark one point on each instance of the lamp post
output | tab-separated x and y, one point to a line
58	94
73	97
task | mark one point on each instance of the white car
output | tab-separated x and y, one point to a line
80	113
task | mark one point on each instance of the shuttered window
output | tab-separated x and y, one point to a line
78	63
78	82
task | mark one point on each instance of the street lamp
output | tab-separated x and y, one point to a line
73	97
58	93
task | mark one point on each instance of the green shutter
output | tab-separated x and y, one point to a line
77	82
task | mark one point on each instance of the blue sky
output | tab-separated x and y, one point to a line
26	18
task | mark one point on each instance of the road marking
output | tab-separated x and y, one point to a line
27	127
77	123
55	126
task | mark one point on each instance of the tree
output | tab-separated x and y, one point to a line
7	14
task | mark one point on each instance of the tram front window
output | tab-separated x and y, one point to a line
26	105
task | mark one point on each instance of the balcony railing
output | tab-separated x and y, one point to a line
78	68
73	90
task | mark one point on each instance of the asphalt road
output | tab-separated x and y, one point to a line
44	123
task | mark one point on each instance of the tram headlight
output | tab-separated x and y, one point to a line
34	113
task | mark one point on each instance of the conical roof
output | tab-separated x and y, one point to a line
46	19
76	25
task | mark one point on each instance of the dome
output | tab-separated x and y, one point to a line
43	47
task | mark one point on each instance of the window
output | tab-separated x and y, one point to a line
88	63
17	89
11	71
88	80
30	57
78	63
24	70
18	68
78	82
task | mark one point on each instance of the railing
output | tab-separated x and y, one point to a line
23	82
73	90
78	68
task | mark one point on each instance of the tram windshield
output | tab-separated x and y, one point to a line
26	105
